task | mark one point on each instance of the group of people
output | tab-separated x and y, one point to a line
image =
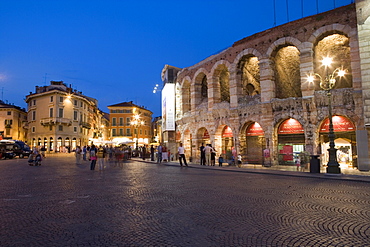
101	154
208	156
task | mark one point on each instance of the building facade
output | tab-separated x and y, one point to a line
13	122
256	98
130	124
61	118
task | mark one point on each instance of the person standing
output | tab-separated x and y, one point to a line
181	151
202	155
207	152
213	156
93	152
84	151
101	156
143	152
78	155
220	160
152	152
159	153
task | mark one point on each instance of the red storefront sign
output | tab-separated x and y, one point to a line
205	135
340	124
255	130
290	126
227	132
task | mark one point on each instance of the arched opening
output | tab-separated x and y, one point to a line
255	143
249	71
291	141
335	46
39	143
228	145
74	143
201	89
67	144
204	88
46	143
186	98
224	79
345	141
287	72
59	144
51	146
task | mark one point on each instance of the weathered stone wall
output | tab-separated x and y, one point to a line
308	106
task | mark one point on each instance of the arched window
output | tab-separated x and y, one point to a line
335	46
287	73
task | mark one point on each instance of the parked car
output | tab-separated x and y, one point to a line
6	150
19	148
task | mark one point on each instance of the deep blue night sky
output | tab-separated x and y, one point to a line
114	50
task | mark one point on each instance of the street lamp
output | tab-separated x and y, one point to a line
327	83
136	123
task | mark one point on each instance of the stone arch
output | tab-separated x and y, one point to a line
248	72
186	95
352	65
200	85
285	58
220	84
283	42
337	47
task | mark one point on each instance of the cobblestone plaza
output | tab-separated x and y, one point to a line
146	204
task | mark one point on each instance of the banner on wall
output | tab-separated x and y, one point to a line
340	124
168	107
290	126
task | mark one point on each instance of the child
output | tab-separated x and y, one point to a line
220	160
239	161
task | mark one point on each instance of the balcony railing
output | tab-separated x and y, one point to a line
85	125
55	120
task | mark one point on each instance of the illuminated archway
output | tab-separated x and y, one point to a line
255	143
345	141
227	139
291	141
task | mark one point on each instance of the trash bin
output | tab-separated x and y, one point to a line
315	164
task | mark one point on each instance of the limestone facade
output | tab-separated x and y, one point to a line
61	118
263	79
13	122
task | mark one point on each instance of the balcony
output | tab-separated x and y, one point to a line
54	121
85	125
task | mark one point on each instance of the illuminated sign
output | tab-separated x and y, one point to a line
255	130
290	126
340	124
205	135
168	106
227	132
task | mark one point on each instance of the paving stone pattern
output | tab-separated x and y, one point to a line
142	204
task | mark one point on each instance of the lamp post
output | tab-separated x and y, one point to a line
327	83
136	123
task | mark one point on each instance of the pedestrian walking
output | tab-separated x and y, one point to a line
159	153
78	155
101	156
83	152
220	160
181	151
93	157
202	155
239	161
